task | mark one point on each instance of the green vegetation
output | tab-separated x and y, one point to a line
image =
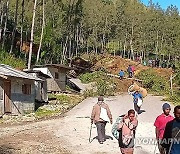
175	98
8	59
82	26
62	104
62	98
91	77
104	85
158	85
153	82
40	113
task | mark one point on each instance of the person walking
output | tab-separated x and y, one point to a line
133	70
137	97
171	137
100	116
127	128
160	124
129	70
121	74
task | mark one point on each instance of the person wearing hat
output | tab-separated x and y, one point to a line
160	124
99	120
171	138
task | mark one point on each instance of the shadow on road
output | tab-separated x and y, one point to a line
6	149
141	111
107	138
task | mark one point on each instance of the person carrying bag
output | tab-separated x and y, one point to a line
127	128
101	114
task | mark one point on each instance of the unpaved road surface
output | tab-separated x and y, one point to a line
70	133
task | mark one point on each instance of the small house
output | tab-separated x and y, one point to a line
17	91
40	86
57	72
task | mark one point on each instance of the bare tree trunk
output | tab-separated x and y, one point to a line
124	53
5	25
42	32
104	41
14	29
70	48
157	43
162	40
77	39
131	42
114	48
87	49
102	46
64	50
1	20
96	49
32	32
22	20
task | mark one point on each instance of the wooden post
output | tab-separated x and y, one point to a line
171	84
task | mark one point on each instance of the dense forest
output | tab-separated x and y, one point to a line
52	31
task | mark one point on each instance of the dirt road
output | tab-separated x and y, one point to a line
70	133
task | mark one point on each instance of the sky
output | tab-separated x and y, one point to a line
164	3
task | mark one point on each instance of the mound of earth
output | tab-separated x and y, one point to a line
115	64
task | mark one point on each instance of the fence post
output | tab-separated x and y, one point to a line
171	84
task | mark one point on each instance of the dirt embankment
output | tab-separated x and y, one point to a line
114	64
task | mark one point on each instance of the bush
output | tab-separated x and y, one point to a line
91	77
6	58
89	93
45	113
153	82
105	85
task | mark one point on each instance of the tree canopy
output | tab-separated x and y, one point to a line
73	27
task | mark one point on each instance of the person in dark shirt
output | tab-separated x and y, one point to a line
171	138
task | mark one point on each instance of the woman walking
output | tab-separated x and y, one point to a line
127	128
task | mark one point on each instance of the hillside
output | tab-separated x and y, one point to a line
113	64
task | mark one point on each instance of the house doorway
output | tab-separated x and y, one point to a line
7	96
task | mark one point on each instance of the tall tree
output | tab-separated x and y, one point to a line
42	32
32	34
15	24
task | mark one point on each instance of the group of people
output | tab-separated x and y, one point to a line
168	130
130	70
158	63
167	127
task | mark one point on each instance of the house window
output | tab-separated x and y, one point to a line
26	89
56	75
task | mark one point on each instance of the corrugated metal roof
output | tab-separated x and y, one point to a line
11	72
56	66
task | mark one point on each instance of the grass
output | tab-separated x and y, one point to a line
40	113
63	103
158	86
105	85
8	59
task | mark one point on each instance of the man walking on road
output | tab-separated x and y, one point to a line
100	115
171	138
160	124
